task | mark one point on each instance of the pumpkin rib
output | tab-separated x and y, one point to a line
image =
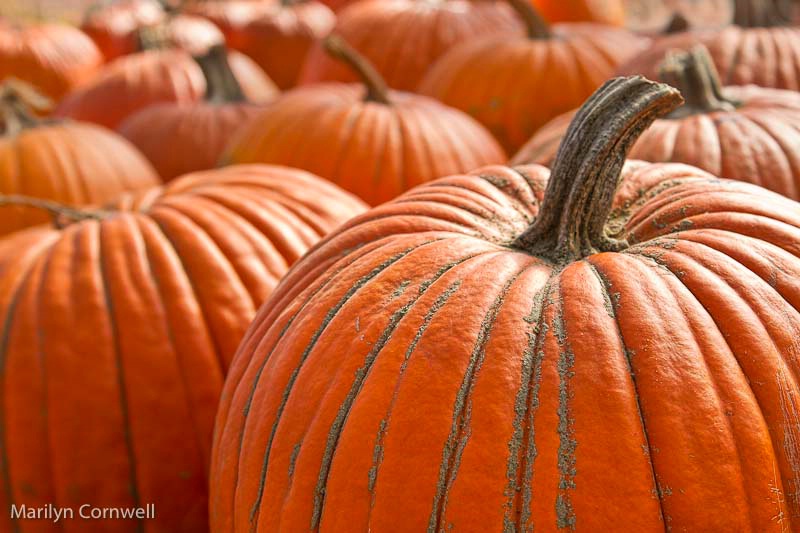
790	187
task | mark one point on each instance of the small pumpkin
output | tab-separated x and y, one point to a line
280	35
610	12
118	330
55	58
747	133
403	38
69	162
367	139
491	353
131	83
763	50
118	28
515	85
182	138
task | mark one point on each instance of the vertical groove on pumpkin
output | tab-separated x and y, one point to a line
377	90
536	26
693	73
221	83
578	198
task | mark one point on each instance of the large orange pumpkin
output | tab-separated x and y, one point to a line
514	85
133	82
181	138
55	58
64	161
118	28
365	138
279	36
402	38
762	51
118	331
471	357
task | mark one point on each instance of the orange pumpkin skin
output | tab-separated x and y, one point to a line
279	38
611	12
403	38
67	162
230	16
118	334
514	86
373	150
390	384
55	58
133	82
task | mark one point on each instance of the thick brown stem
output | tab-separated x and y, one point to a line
762	13
62	214
221	83
536	26
17	100
577	202
377	91
693	73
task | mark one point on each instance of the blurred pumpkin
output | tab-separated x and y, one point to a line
365	138
403	38
69	162
181	138
495	352
227	15
55	58
514	85
746	133
611	12
131	83
118	331
671	16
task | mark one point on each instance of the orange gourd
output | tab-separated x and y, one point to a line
403	38
514	85
73	163
747	133
182	138
365	138
118	330
496	352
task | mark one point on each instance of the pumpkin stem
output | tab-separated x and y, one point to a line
17	99
677	24
221	83
155	37
693	73
377	91
536	26
762	13
62	214
580	193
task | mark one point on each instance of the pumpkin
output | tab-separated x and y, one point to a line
487	353
183	138
55	58
131	83
365	138
402	38
279	36
513	86
69	162
749	53
610	12
227	15
745	133
119	28
118	330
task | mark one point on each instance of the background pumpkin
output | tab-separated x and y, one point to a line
351	405
657	16
55	58
365	138
611	12
134	82
68	162
747	133
230	16
118	333
402	38
513	86
182	138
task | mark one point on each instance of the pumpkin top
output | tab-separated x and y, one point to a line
535	25
221	83
17	99
693	73
579	196
377	90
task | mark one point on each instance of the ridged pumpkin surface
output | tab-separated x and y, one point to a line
133	82
54	58
403	38
418	371
117	335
